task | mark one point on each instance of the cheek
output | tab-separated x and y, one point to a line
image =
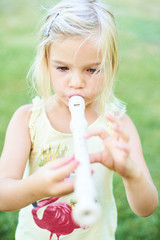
55	84
98	85
101	83
58	84
54	79
95	88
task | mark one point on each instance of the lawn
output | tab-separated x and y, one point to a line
138	84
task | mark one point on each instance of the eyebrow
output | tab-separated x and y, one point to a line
65	63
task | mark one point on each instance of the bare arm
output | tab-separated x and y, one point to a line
48	181
123	154
140	190
14	157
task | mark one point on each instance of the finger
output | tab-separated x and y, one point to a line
123	146
100	132
121	133
59	162
65	187
100	158
116	127
112	118
95	157
65	170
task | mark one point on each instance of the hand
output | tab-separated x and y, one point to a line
116	153
50	180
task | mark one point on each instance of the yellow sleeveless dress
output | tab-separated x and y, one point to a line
51	218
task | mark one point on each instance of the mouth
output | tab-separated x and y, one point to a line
75	95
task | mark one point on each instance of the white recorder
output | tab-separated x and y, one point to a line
87	210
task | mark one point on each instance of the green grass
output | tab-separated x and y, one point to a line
137	84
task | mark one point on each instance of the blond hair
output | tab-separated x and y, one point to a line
78	18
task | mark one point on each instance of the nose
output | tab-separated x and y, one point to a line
76	80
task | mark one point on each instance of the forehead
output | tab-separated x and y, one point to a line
75	50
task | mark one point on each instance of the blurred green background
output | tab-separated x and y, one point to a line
138	84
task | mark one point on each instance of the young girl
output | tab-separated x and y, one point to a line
77	56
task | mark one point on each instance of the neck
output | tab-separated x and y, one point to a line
59	115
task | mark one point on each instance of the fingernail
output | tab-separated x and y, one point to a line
71	158
115	126
77	162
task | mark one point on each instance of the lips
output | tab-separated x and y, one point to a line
75	95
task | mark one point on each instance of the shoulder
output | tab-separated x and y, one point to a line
23	113
17	144
26	111
126	121
17	135
130	128
20	119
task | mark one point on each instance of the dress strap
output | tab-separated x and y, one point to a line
38	105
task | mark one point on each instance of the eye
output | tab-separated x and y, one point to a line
92	70
63	69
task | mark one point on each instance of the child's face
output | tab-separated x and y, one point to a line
72	66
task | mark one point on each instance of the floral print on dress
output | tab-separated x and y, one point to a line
50	153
